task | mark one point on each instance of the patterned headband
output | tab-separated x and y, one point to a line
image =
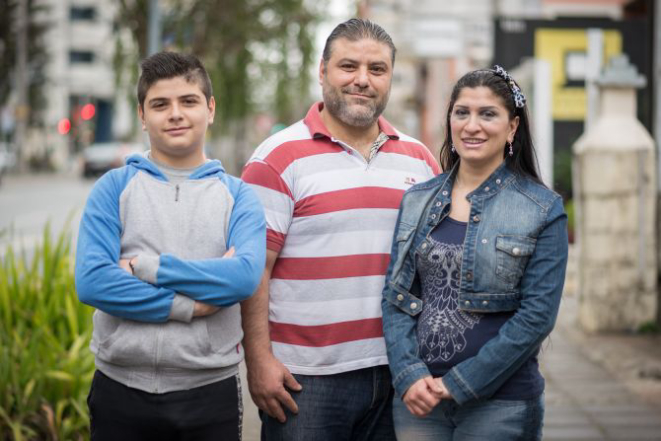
519	99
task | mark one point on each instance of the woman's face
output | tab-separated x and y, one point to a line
481	127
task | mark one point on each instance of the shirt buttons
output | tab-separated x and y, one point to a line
484	241
485	302
433	216
424	245
469	275
467	303
400	297
414	305
438	204
498	181
516	251
445	192
476	218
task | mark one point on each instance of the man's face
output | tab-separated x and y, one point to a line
356	81
176	116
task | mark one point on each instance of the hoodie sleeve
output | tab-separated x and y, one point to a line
218	281
100	282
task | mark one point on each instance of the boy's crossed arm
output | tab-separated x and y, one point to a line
185	288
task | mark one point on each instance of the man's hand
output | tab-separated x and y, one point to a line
204	309
423	396
267	379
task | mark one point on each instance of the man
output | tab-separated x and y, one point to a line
168	245
331	185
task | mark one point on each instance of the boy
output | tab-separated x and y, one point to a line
168	246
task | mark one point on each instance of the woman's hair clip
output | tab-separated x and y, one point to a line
519	98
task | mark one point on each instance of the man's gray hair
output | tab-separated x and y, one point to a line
358	29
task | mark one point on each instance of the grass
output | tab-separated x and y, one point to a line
45	364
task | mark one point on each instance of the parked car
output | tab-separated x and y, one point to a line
100	157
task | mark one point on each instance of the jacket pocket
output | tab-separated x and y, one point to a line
406	302
171	344
512	254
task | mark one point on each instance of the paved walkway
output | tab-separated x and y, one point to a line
589	386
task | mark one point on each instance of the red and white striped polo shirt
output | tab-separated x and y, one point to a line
331	215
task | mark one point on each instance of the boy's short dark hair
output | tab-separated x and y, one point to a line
165	65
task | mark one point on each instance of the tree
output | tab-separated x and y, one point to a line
253	49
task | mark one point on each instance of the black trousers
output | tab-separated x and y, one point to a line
120	413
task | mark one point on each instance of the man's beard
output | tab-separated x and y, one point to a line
336	104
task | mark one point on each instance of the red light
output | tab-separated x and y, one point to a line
63	126
87	112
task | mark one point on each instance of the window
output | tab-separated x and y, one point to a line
76	57
83	13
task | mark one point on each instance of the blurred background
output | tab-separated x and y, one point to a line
589	68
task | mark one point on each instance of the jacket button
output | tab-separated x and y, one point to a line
445	192
433	216
476	218
438	204
414	305
400	297
516	251
467	303
424	245
469	276
497	181
485	302
486	188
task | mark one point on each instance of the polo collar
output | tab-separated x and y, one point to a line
318	129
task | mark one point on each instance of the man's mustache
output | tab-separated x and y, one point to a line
358	91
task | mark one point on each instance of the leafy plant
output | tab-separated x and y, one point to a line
46	367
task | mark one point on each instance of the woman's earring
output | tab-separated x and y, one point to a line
452	148
511	149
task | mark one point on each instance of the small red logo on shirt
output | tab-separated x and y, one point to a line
409	181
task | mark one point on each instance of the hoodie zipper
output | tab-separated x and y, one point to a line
176	193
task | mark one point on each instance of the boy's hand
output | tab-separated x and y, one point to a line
125	264
204	309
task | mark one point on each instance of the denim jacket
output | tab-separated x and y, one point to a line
514	259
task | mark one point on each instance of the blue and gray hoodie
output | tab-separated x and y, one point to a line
144	334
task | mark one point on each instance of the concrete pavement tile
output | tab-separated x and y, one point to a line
640	432
580	433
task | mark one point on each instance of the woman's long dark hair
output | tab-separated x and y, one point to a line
524	160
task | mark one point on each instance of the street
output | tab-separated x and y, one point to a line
28	202
599	387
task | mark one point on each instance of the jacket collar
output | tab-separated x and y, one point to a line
318	128
500	178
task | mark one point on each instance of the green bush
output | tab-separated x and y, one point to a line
45	364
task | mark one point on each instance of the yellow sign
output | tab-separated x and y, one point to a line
553	45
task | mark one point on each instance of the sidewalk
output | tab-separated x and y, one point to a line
600	387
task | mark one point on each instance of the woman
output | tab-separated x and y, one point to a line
475	278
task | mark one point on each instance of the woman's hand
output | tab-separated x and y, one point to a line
445	394
423	396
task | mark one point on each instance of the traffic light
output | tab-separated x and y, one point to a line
87	112
63	126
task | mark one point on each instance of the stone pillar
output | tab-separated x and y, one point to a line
614	179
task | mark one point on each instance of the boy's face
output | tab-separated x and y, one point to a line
176	116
